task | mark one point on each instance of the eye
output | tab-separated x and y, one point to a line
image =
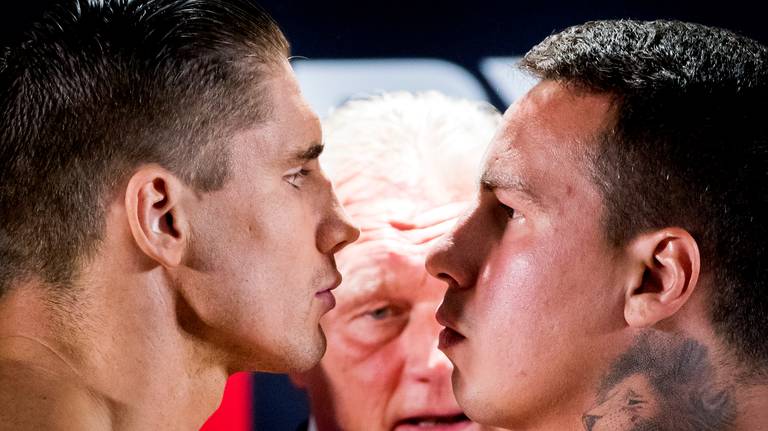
381	313
296	178
376	325
508	210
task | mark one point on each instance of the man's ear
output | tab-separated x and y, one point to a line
157	221
666	266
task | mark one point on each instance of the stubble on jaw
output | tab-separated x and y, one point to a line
662	383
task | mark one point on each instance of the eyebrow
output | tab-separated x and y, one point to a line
361	298
310	153
491	181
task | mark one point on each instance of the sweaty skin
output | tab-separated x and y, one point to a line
184	289
540	306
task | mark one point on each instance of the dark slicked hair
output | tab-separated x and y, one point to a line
99	87
688	148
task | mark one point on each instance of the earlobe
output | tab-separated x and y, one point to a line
155	216
666	274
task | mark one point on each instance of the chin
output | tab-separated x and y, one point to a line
293	354
306	355
483	412
476	408
320	346
306	363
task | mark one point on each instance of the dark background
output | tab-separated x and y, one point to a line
466	31
460	32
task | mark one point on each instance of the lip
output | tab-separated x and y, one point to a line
449	336
454	421
445	320
326	295
332	285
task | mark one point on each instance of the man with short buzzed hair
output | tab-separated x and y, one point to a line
611	275
164	221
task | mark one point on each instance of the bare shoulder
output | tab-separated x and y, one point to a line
33	398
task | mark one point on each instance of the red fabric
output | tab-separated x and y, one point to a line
235	411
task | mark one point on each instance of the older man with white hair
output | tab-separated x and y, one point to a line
404	167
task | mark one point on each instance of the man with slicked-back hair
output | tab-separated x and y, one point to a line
164	221
611	275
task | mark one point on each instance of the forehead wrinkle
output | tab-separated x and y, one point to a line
374	208
371	257
359	283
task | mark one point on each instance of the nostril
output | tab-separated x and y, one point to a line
335	235
452	268
447	279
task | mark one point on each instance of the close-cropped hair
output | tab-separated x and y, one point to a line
688	148
98	88
417	141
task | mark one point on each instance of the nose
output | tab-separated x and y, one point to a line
425	363
452	259
431	366
337	230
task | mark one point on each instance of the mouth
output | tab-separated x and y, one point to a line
455	422
332	285
326	296
448	336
